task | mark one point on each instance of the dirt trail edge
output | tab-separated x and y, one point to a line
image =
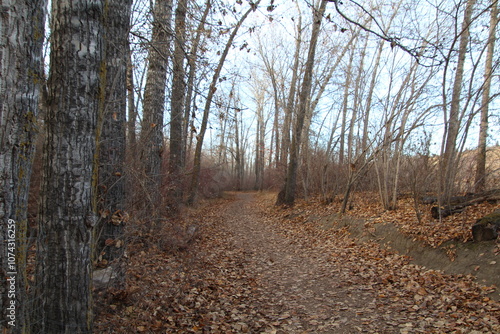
313	284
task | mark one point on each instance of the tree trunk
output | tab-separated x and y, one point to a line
287	194
112	141
366	114
356	104
347	85
132	115
192	62
259	141
483	127
193	189
67	215
238	155
448	163
22	33
290	105
154	100
177	109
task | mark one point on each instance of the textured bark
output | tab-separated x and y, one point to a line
22	33
287	194
177	108
111	187
154	100
193	189
67	217
483	126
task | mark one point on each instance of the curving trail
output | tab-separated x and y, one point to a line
305	290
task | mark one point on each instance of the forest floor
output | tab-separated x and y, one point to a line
257	268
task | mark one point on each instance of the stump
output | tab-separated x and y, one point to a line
487	228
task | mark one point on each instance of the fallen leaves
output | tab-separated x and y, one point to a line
260	269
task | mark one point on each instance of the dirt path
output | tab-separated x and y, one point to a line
299	280
315	293
257	269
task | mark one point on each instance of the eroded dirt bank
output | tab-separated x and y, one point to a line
454	257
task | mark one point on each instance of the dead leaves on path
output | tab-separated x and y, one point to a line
210	287
203	289
419	300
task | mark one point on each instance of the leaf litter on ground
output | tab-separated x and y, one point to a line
257	268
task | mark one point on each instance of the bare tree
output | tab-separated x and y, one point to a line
131	110
154	100
287	194
483	127
112	137
448	161
345	107
177	100
193	65
193	189
290	102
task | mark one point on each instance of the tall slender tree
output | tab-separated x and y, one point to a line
193	65
67	217
193	188
287	194
290	102
177	100
483	126
448	161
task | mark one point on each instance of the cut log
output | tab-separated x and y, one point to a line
459	203
446	211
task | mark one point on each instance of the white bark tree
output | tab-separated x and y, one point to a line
21	38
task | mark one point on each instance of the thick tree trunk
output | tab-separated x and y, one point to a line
154	100
287	194
483	126
112	140
67	216
22	33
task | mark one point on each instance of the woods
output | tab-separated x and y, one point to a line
117	117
